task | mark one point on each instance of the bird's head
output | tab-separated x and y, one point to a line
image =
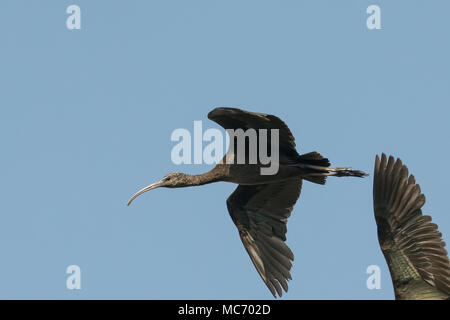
170	180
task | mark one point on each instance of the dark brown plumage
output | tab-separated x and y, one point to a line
411	243
261	204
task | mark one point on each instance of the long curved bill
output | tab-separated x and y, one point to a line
150	187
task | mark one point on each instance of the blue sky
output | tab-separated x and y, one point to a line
86	117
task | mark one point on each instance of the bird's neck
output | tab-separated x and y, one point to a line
205	178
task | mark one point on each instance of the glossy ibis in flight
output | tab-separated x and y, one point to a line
411	243
261	204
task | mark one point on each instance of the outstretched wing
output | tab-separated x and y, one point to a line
260	213
411	243
233	118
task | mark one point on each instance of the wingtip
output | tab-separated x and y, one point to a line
222	111
212	113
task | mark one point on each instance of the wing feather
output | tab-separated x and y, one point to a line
260	213
411	243
233	118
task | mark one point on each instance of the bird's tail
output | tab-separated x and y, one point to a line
318	168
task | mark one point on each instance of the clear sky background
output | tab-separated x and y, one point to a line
86	117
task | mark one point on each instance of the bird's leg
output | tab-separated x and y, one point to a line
338	172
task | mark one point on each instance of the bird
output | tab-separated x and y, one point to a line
261	204
410	241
